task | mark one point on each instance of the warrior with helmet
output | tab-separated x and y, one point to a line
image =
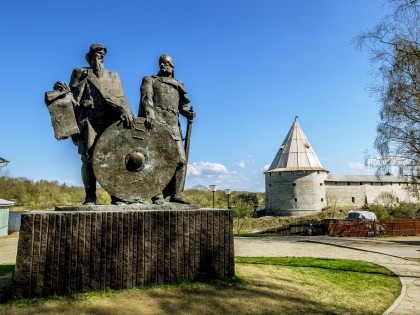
163	98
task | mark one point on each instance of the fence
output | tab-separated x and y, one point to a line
354	228
372	228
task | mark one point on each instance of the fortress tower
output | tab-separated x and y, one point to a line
295	180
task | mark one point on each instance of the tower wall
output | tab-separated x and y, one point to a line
295	192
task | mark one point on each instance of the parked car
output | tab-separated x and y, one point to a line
361	215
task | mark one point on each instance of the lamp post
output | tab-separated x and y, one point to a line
213	189
228	192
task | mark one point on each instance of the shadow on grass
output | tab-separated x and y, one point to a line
6	272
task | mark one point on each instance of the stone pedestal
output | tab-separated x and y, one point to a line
63	252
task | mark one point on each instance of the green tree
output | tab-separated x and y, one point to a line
380	211
244	211
395	51
406	210
388	200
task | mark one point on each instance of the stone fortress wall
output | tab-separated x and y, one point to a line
296	192
297	184
293	194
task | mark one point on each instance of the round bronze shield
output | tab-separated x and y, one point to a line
135	164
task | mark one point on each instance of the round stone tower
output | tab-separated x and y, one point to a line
295	180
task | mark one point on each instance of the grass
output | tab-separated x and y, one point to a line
262	286
256	235
6	269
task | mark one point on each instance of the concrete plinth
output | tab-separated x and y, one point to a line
63	252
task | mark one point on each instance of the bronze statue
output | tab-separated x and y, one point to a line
163	98
99	101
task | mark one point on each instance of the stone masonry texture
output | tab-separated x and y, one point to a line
63	252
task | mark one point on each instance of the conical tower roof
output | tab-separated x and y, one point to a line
295	153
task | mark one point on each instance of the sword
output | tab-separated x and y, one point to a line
187	145
188	135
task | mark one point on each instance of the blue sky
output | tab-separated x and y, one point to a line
249	67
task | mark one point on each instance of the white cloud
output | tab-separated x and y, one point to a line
244	163
265	167
206	168
241	164
356	166
210	173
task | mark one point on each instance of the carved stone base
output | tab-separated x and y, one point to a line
63	252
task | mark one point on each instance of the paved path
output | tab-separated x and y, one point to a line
8	248
392	253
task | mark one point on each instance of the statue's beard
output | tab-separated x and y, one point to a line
98	66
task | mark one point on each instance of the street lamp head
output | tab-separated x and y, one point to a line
213	187
228	191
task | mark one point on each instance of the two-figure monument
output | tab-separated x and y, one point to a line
128	243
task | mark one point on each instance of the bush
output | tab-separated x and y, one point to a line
380	211
406	210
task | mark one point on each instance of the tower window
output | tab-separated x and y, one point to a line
348	183
294	184
269	185
279	173
295	199
320	184
360	183
322	199
352	199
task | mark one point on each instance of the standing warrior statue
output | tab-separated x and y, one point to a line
163	98
98	100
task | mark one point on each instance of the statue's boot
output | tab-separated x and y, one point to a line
117	201
89	181
179	199
179	183
158	199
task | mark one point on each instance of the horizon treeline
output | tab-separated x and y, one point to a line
43	194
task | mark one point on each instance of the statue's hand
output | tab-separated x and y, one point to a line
127	119
149	122
191	114
61	86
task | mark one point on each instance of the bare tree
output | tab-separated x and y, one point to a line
394	45
3	162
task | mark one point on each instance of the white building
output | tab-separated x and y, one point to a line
296	183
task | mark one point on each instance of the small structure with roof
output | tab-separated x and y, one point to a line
296	183
4	216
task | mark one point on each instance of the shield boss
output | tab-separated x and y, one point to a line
135	164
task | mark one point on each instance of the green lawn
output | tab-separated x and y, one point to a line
280	285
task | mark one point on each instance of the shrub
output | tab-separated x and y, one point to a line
380	211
